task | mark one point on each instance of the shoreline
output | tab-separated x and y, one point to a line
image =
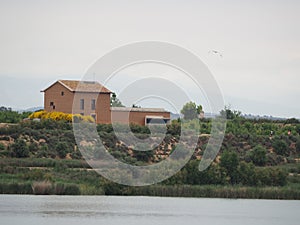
178	191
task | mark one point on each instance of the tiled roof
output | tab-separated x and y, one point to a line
127	109
83	86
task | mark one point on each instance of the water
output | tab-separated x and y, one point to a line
90	210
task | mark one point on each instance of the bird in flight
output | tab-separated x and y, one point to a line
216	52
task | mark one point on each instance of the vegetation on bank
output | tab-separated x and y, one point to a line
7	115
60	116
258	159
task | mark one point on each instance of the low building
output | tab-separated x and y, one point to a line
92	98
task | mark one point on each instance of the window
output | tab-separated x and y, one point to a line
52	105
62	93
93	104
82	104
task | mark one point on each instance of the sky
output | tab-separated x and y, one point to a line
258	72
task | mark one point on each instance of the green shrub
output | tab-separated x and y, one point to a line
259	155
62	149
2	147
15	188
281	147
72	189
230	162
298	146
66	189
20	149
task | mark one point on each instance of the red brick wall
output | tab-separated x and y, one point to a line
136	117
103	113
65	103
61	103
103	108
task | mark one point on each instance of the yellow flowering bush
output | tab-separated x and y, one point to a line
61	116
37	115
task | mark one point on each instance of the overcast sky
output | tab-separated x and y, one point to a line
259	71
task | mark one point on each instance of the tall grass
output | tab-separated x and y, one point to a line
15	188
211	191
42	188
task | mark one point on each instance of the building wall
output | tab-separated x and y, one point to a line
61	103
103	108
104	115
135	117
87	110
64	103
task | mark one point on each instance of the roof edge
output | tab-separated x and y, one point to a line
70	89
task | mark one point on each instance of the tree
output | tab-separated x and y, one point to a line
230	162
190	110
246	173
62	149
281	147
291	121
298	128
229	114
135	106
4	109
20	149
142	152
115	102
9	116
259	155
298	146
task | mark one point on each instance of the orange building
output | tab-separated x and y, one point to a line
92	98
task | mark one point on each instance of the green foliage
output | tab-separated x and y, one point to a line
281	147
71	189
62	148
115	102
244	140
259	155
9	116
271	176
298	146
291	121
2	147
230	162
142	152
20	149
33	147
297	128
174	128
15	188
230	114
212	175
190	110
246	174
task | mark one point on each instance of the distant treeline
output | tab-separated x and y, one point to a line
7	115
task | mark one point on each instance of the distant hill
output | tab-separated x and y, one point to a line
32	109
175	116
250	116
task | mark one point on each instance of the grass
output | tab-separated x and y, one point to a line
35	162
211	191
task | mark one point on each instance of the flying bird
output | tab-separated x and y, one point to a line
216	52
